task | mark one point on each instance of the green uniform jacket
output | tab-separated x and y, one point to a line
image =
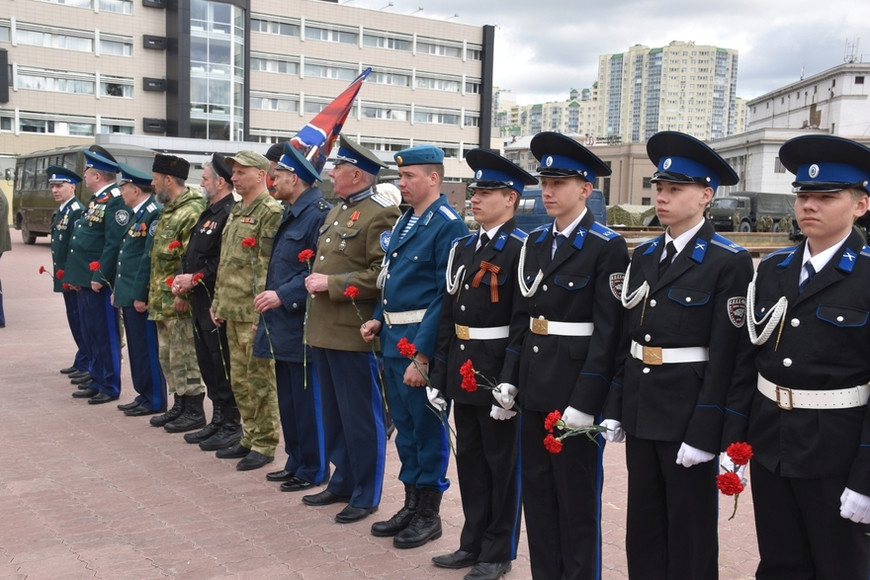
97	237
242	270
5	240
175	224
131	277
61	231
350	250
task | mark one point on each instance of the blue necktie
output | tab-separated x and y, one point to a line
559	239
810	273
670	254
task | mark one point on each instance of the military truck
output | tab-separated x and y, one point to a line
742	211
531	212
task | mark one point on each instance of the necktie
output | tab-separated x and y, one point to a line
810	273
559	239
670	254
483	241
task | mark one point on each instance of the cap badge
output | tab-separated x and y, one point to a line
667	164
814	171
548	161
479	174
399	159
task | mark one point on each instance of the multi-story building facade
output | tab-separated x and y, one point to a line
578	115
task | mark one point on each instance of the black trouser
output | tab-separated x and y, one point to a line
212	351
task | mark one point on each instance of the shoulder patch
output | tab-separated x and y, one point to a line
152	228
737	311
726	244
382	200
448	212
602	232
780	252
385	239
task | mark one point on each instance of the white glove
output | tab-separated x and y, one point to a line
504	395
688	456
855	507
500	414
726	463
575	419
436	399
614	433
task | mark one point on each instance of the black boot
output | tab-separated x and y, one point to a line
426	524
230	432
217	419
192	418
403	517
170	415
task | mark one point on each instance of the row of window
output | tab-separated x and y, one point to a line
62	125
37	79
117	6
66	39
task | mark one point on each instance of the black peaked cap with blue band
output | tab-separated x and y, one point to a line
58	174
825	164
292	160
351	152
102	151
135	176
492	171
681	158
561	156
100	163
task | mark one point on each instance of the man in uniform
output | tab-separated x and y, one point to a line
686	297
131	295
245	251
482	304
571	273
210	341
63	184
5	244
181	208
350	249
279	336
412	293
809	422
90	269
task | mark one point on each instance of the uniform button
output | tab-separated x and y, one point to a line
786	362
652	303
763	309
328	240
335	223
646	370
795	322
839	319
388	276
295	305
688	299
541	316
647	338
322	257
395	254
544	288
344	207
534	349
570	284
462	308
466	286
385	300
461	347
415	258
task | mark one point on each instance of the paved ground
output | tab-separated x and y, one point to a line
86	492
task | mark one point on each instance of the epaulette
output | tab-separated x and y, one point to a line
115	192
726	244
448	212
865	251
324	205
779	252
603	232
382	199
468	239
519	234
151	207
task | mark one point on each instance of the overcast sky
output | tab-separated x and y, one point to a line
546	47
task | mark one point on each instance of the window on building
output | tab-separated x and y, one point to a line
472	87
35	35
123	126
471	120
55	81
647	182
315	32
646	201
384	40
117	6
116	45
439	48
329	71
778	167
274	65
474	53
436	117
398	79
58	125
116	87
283	103
385	111
438	84
4	30
859	80
73	3
272	27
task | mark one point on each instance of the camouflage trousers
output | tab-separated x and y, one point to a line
178	356
253	382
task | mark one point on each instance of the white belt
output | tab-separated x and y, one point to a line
656	355
407	317
546	327
487	333
788	399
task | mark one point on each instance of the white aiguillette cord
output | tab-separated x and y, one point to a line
528	291
775	314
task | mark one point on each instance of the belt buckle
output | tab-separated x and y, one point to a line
652	355
462	332
784	398
539	326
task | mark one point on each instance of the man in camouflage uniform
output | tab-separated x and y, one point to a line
245	252
172	314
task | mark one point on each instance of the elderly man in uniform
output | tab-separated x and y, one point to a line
245	252
350	249
63	184
412	293
90	269
181	208
482	304
570	273
282	305
685	292
200	260
809	422
131	295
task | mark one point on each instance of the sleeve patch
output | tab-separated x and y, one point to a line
616	282
737	310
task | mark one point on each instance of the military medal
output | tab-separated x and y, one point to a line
353	217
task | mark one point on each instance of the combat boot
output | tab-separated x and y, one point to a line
229	434
426	523
217	419
403	517
192	418
170	415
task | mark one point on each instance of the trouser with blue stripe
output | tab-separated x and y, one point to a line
102	333
145	371
300	407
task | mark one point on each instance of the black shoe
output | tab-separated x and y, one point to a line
282	475
426	523
128	406
296	484
170	415
254	460
85	385
101	398
141	411
455	560
488	571
228	436
76	374
83	378
237	451
202	434
352	514
68	370
325	497
85	394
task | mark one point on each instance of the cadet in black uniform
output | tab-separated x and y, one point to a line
482	304
685	294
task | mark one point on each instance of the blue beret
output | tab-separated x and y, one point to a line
292	160
58	174
824	163
136	177
492	171
562	156
354	153
98	162
681	158
420	155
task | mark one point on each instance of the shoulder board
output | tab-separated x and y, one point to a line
76	204
382	200
519	234
115	192
602	232
448	212
726	244
323	205
780	252
542	228
865	251
151	207
465	238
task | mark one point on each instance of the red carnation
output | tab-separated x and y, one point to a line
249	242
170	280
350	292
306	255
94	266
197	278
552	444
729	484
42	270
469	381
551	420
59	274
740	453
174	245
406	348
65	286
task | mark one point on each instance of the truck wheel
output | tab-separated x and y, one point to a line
745	226
26	236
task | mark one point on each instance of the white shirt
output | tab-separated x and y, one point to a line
566	232
820	260
683	239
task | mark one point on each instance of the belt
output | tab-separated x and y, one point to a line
546	327
407	317
788	399
656	355
487	333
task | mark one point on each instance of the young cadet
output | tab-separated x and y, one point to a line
685	295
570	273
481	306
808	416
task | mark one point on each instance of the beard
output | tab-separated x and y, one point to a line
163	196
